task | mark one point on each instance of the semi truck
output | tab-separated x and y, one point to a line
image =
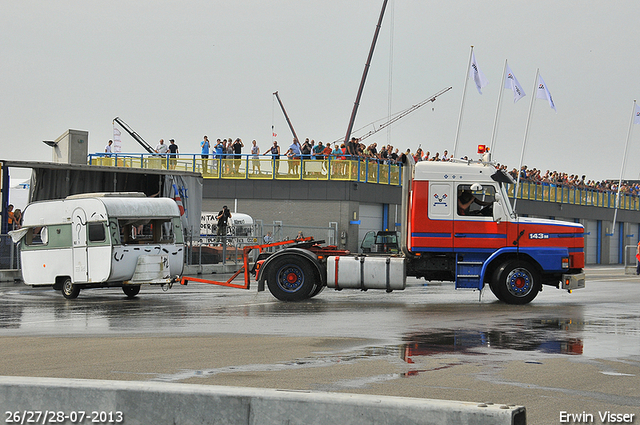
457	225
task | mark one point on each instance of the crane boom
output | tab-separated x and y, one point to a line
135	135
295	136
405	113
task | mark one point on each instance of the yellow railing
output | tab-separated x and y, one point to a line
332	168
574	196
262	167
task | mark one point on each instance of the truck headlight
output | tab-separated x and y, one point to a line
565	262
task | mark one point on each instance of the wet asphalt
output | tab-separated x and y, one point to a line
573	353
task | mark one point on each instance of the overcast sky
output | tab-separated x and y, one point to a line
183	69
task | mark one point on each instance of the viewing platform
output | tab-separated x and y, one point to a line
334	168
264	167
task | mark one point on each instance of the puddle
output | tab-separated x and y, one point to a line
546	336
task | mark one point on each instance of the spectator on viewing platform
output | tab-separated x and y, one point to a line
255	161
313	147
161	148
393	156
236	148
306	149
275	150
293	154
418	156
204	153
173	154
384	156
374	149
318	150
218	148
107	149
327	150
351	146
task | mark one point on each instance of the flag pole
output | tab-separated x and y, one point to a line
495	121
624	157
464	94
526	134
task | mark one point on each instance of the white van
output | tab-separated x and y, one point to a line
101	240
240	226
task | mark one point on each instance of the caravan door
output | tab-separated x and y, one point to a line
79	231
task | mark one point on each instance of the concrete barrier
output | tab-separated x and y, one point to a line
10	276
160	403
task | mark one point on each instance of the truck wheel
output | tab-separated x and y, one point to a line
516	282
291	278
493	285
131	290
318	288
69	290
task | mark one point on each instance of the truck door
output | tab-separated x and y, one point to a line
439	226
474	227
80	260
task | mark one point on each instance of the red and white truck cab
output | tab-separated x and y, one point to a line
461	228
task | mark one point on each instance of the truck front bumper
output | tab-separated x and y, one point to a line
572	281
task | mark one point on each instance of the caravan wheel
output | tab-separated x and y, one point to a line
69	290
131	290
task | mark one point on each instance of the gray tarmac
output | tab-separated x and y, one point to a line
576	353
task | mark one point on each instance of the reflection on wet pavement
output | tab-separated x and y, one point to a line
548	336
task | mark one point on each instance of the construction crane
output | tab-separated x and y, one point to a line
295	136
403	114
135	135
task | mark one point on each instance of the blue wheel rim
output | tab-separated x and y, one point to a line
519	282
290	278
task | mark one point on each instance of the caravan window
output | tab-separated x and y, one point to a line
96	232
37	236
146	231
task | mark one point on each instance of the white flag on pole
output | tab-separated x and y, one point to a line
543	93
477	75
636	115
511	82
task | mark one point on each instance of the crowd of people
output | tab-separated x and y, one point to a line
387	154
391	155
574	181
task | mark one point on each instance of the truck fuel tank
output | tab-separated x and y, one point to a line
362	272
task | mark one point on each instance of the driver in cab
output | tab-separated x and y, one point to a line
466	199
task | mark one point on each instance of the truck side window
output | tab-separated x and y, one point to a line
475	202
96	232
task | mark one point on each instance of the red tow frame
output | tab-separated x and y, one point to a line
245	267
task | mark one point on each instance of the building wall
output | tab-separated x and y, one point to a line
305	203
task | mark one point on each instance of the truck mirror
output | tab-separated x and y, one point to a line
498	210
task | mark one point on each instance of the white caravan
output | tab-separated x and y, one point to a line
101	240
